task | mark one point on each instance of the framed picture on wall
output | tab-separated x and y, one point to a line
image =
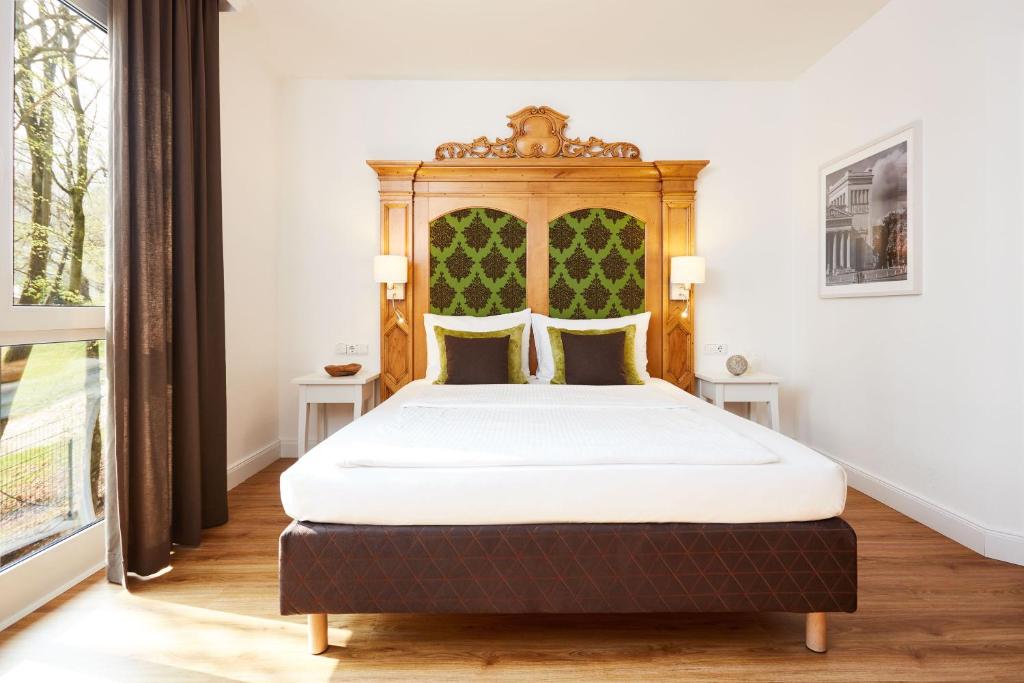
870	219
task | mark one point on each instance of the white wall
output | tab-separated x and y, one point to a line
923	394
920	396
251	132
330	214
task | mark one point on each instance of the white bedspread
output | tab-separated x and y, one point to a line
523	425
801	485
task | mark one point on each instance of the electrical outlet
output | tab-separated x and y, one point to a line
716	349
346	349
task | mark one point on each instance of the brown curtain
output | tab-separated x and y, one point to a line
167	477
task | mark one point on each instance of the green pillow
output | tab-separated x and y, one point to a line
515	345
629	356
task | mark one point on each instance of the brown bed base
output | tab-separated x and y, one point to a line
805	567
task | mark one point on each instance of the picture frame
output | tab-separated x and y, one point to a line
869	219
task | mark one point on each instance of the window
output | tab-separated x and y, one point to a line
60	124
52	408
53	191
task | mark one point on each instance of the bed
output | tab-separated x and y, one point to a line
384	524
537	498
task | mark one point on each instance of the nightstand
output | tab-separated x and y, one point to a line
319	389
752	387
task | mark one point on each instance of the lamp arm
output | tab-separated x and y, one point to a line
398	313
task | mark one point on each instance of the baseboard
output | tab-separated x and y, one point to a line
998	545
39	602
253	463
289	448
25	586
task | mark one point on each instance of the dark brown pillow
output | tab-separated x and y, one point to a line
594	358
479	360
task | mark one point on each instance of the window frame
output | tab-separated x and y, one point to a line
96	11
28	324
32	581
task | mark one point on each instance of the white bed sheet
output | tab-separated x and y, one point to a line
801	485
516	425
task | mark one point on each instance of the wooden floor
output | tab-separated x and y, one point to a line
929	610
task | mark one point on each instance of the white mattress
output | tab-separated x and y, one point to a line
323	486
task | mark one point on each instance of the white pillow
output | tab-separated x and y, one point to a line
469	323
546	361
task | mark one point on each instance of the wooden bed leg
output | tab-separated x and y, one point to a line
318	633
817	632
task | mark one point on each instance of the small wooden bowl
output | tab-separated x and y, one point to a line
343	370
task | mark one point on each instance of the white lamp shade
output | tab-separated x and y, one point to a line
391	269
687	270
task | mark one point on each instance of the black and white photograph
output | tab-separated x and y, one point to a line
868	227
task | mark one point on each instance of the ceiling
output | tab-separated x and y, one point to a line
552	39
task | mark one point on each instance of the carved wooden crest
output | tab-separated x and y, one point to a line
537	132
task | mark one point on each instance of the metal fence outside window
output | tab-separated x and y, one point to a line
38	486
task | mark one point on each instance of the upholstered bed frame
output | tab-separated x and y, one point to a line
574	229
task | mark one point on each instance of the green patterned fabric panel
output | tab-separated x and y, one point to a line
477	263
595	265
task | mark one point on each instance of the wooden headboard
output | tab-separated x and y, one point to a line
536	177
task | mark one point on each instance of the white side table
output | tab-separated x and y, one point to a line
319	388
753	387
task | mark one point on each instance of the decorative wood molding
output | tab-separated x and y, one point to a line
678	194
537	132
396	198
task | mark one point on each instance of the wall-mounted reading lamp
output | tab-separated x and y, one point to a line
686	271
392	270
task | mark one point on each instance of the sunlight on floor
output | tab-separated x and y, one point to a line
35	672
143	635
170	634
